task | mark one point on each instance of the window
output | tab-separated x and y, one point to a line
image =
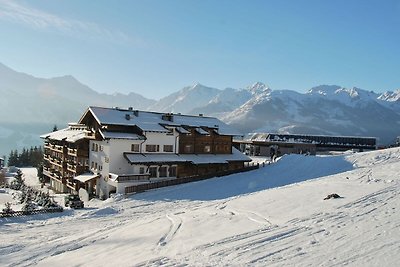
95	165
96	147
172	171
153	172
93	147
135	147
152	148
188	149
207	149
101	148
168	148
141	170
162	171
92	165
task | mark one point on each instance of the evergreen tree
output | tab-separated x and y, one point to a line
55	128
13	158
28	205
18	182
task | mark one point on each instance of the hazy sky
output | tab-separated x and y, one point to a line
157	47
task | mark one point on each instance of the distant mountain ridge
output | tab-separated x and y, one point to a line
31	106
324	109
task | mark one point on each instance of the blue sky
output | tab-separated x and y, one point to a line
157	47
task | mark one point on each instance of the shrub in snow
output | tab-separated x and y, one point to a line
7	209
28	205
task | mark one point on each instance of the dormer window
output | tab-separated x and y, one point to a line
168	148
152	148
135	147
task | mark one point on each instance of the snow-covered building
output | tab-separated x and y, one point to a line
267	144
113	149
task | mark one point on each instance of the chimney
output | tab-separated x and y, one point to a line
168	117
130	108
201	115
136	113
127	117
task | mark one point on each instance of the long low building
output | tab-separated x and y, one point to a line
270	144
112	149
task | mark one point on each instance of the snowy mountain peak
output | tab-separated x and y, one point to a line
334	92
258	88
324	90
197	86
390	96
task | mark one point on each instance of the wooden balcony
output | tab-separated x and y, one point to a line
58	148
71	183
57	161
53	175
77	169
78	152
72	152
133	178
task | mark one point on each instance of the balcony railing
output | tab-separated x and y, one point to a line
72	152
53	174
133	177
78	169
78	152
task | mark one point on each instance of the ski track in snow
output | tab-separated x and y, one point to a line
175	224
361	228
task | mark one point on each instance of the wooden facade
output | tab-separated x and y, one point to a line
125	147
64	160
268	144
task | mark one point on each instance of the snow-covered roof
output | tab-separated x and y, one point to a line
153	121
86	177
136	158
202	131
182	130
69	134
120	135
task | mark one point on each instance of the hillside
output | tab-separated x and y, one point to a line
32	106
274	216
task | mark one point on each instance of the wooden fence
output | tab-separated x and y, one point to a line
24	213
182	180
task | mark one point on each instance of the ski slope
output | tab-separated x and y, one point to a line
274	216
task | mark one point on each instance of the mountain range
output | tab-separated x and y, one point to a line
32	106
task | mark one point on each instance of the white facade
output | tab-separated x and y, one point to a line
106	158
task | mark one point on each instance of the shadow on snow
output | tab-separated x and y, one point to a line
288	170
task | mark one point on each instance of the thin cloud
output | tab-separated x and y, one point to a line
22	14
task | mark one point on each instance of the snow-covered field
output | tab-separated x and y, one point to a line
274	216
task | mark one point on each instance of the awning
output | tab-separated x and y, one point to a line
136	158
86	177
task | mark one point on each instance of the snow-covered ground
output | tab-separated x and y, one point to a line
274	216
